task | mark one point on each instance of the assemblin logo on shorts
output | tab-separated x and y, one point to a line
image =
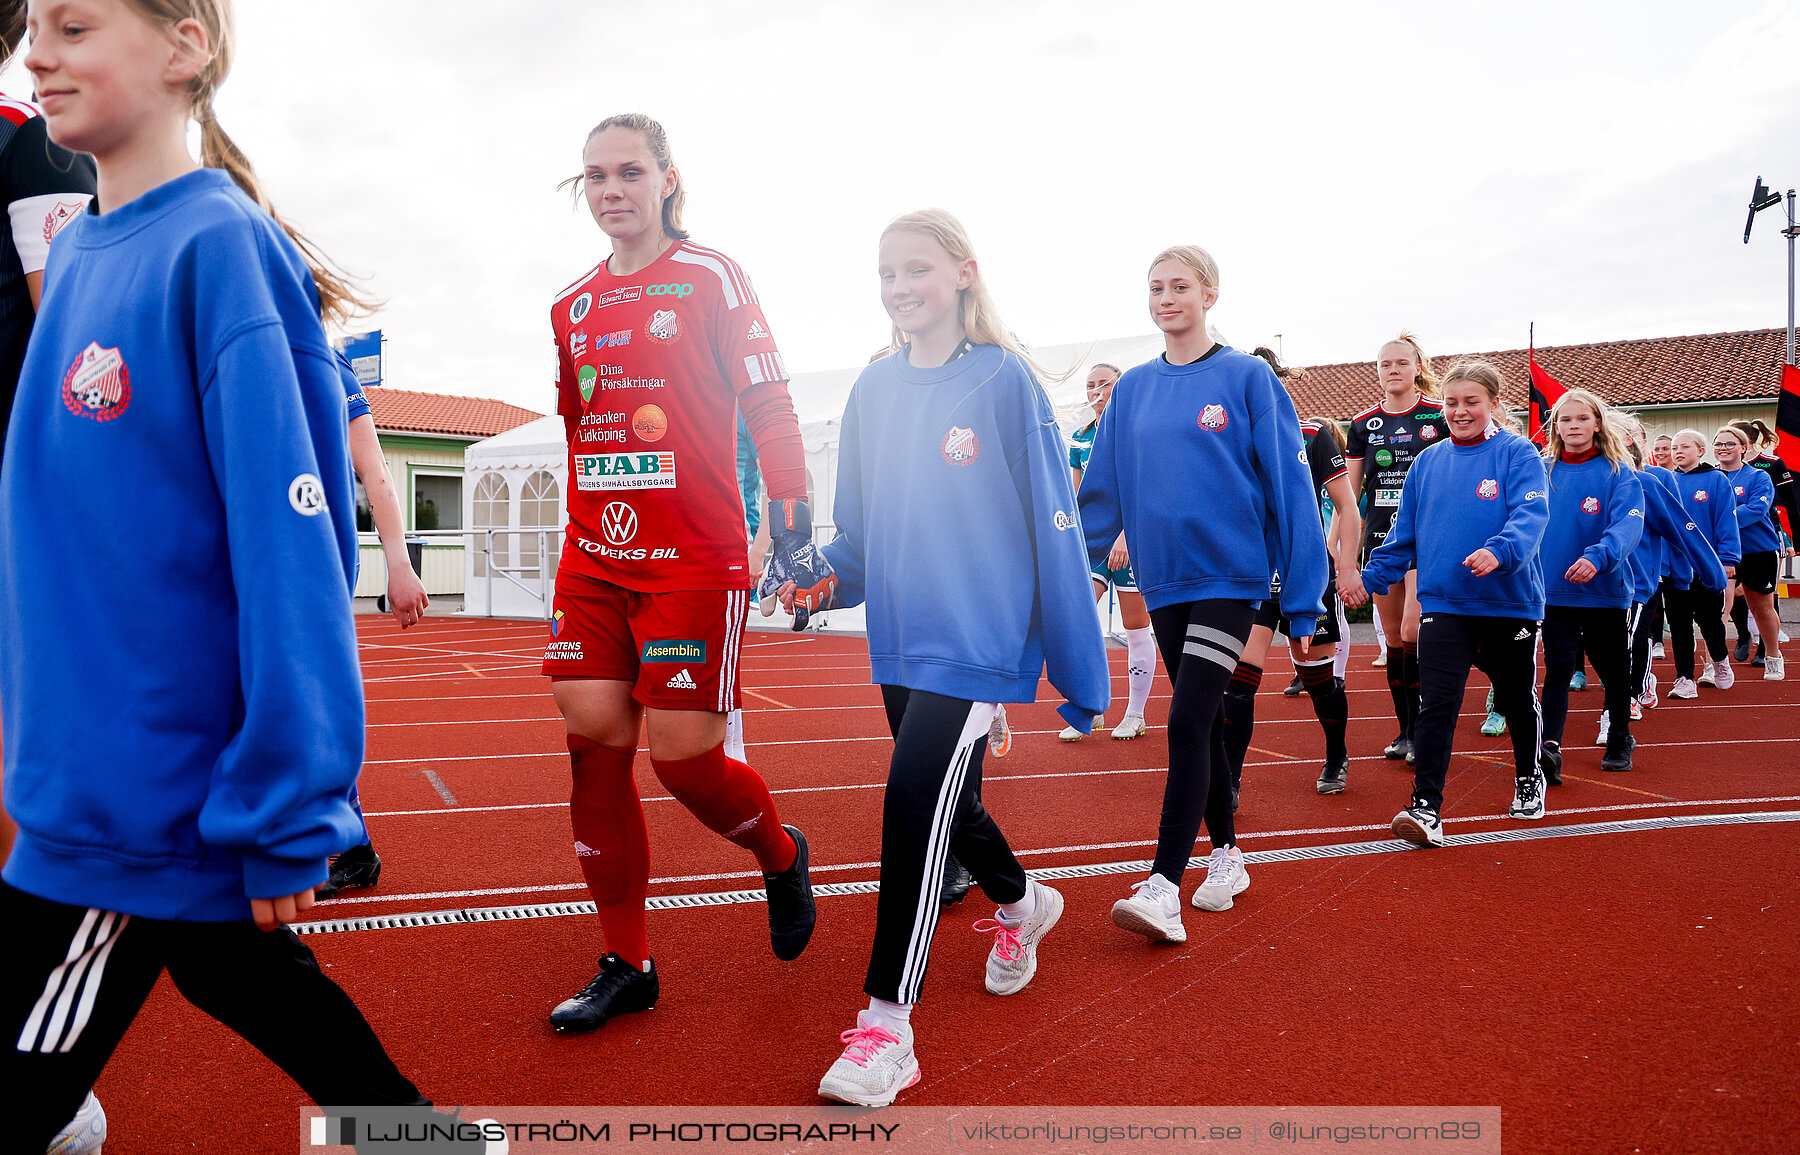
674	650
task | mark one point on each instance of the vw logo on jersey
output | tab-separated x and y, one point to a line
1488	490
961	446
618	522
578	308
1213	417
1374	423
1590	505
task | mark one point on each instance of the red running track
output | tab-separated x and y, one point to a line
1626	989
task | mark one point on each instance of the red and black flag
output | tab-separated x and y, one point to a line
1787	418
1546	391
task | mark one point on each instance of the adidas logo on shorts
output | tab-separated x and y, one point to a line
681	681
583	850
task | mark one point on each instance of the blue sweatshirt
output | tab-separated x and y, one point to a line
1755	495
1668	530
1711	505
1204	469
1596	513
178	670
1461	498
957	526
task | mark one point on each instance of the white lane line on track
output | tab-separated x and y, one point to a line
830	890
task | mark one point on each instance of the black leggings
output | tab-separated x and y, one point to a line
1605	637
1505	649
1687	606
1645	631
74	978
932	808
1201	643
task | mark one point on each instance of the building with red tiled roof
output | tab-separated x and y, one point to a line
422	437
1672	383
444	415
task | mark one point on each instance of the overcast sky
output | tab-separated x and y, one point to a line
1459	169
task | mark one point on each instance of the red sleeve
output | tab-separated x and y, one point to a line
769	413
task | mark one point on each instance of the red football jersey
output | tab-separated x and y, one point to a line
649	368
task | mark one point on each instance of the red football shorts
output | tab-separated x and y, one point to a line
680	649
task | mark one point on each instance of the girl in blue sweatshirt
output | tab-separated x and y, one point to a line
1755	580
1472	513
1198	459
952	477
178	366
1596	520
1712	506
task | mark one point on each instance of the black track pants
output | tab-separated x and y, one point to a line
1687	607
1201	643
932	808
1604	635
1505	649
73	978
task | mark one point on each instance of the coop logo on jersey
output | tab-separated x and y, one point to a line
1488	490
663	326
578	308
306	495
669	291
584	380
619	296
625	471
673	650
650	422
1699	495
1590	505
618	522
59	216
1213	417
961	446
1437	416
1374	423
97	385
1428	433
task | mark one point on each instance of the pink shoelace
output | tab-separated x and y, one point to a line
861	1043
1006	939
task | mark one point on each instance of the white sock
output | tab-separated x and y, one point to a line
1014	913
1140	666
1340	661
1375	616
1755	630
890	1014
734	735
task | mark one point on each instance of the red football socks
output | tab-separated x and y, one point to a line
612	844
730	799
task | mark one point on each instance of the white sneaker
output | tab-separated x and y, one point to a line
1684	688
85	1132
1656	651
1154	911
1605	728
1225	877
1774	668
999	734
1647	699
1013	960
1071	734
1637	710
1419	824
1528	797
1723	676
1707	676
1784	637
1130	727
876	1065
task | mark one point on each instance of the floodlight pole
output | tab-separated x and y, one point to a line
1789	233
